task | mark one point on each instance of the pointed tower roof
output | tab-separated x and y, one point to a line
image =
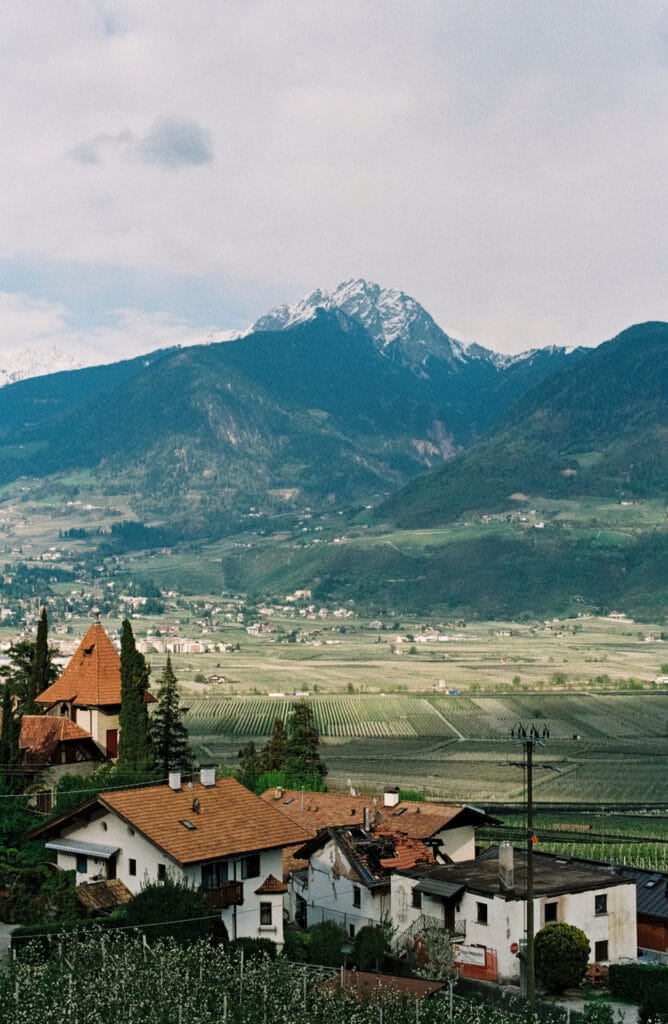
92	677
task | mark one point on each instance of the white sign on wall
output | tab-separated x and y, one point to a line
470	955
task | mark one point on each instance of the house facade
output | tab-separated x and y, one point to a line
483	903
213	834
347	879
88	692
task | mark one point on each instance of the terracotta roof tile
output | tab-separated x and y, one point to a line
92	676
230	820
270	886
105	895
41	734
378	986
314	811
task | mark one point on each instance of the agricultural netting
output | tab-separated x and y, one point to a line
107	978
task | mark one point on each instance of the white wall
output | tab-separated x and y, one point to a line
458	843
330	892
242	921
505	919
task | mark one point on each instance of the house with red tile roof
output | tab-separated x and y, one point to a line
214	834
88	693
348	876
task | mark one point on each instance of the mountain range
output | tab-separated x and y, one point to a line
358	402
362	382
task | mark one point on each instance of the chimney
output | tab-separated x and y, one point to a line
506	867
367	819
207	776
391	796
175	781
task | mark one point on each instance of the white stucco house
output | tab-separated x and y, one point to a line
214	833
347	879
483	902
344	872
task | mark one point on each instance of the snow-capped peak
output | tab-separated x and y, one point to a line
395	321
21	363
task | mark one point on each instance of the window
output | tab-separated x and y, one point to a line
481	909
265	913
357	896
601	951
351	931
132	866
250	866
550	912
417	900
162	872
82	864
601	903
214	875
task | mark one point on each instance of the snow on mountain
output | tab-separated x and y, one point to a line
21	363
397	323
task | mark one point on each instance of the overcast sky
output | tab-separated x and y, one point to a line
172	169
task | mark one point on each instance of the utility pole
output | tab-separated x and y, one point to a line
529	739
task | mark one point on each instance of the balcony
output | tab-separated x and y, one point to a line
229	894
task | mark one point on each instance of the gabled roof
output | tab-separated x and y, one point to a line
314	811
373	855
271	887
42	734
92	676
228	820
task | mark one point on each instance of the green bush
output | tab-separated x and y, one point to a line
172	908
254	948
297	946
561	956
369	949
326	940
634	981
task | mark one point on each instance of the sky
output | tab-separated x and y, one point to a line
172	169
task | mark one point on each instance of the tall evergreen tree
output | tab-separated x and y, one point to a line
168	733
273	753
302	760
40	670
19	672
11	778
135	751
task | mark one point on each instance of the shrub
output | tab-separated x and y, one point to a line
172	908
297	946
326	940
561	956
254	949
369	949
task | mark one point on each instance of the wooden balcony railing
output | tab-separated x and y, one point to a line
229	894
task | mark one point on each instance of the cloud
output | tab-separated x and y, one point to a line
502	161
169	142
41	326
173	143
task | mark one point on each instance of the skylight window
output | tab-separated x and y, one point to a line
187	824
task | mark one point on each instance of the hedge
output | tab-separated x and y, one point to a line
636	982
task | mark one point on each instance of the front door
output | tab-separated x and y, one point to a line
112	742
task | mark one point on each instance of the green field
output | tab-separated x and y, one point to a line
603	749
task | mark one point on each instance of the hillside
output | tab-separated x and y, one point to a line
598	428
313	412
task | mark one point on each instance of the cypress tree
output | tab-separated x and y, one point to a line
40	670
273	753
135	752
168	733
11	758
302	760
